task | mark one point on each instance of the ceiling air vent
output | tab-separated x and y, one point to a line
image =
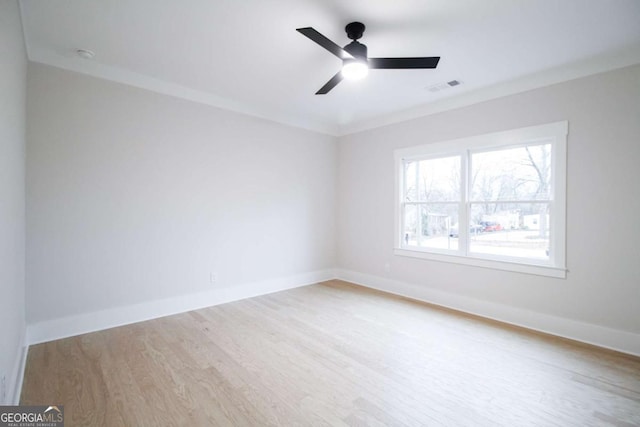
442	86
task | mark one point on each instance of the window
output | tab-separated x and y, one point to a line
495	200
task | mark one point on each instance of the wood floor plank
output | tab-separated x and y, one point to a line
331	354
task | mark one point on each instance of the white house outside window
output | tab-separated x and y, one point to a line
495	200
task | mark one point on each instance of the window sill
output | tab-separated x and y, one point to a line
539	270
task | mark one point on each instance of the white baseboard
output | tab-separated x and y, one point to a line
17	384
601	336
14	387
622	341
95	321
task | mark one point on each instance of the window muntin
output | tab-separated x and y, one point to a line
507	187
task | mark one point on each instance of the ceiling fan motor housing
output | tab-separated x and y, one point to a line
357	50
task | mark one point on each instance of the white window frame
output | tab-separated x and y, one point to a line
552	133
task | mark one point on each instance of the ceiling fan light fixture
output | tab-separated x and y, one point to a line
354	69
356	61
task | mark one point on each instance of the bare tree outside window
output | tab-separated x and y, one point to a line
432	202
508	209
510	198
496	200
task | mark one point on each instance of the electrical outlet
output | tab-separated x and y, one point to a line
3	390
213	277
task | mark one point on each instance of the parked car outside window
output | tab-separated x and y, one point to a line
490	226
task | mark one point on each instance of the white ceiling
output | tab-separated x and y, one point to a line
245	55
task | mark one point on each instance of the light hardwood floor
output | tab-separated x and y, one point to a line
330	354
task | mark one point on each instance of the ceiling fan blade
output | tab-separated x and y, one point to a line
330	84
324	42
403	63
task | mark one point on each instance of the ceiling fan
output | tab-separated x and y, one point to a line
355	64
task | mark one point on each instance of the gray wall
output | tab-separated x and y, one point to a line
13	70
134	196
603	203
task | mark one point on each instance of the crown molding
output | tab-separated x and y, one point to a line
70	62
602	63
